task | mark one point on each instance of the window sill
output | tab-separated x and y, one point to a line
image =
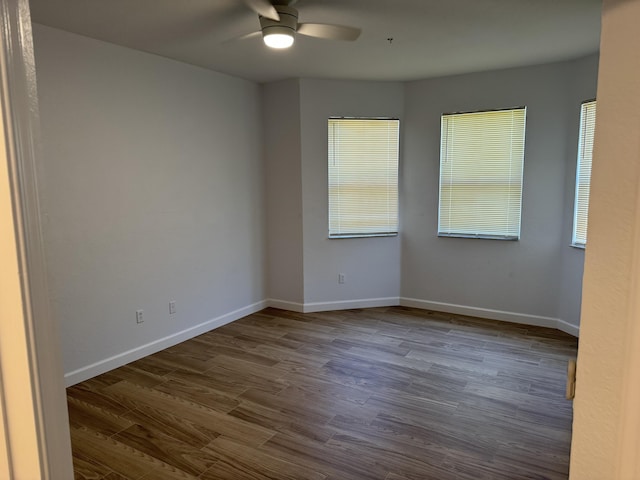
578	245
362	235
478	236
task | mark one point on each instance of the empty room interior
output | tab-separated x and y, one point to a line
214	323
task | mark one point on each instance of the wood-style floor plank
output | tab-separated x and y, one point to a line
385	393
236	460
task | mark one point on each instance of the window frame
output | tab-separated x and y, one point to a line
484	236
581	146
356	234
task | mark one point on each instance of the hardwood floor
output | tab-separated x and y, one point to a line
385	393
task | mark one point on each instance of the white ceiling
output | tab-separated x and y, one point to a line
430	37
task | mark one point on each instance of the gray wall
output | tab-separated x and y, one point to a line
371	265
161	181
153	186
582	87
303	263
282	153
538	276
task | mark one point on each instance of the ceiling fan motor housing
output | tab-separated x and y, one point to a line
287	25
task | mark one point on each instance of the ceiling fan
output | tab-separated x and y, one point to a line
279	24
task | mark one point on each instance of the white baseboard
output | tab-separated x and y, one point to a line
569	328
513	317
286	305
137	353
123	358
522	318
339	305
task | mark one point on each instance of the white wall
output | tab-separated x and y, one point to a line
371	265
523	280
281	120
152	190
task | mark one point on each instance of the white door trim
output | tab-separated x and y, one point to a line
33	403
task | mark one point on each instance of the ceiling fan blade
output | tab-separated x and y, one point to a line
331	32
243	37
264	8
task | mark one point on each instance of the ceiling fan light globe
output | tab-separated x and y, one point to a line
278	40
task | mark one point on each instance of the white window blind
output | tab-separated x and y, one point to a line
363	177
583	173
481	165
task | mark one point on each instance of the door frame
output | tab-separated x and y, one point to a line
34	429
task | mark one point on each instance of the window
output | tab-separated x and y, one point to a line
583	173
363	177
481	164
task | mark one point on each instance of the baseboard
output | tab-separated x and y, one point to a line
285	305
513	317
137	353
123	358
569	328
338	305
348	304
522	318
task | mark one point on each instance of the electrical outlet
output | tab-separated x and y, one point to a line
139	316
172	307
341	278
